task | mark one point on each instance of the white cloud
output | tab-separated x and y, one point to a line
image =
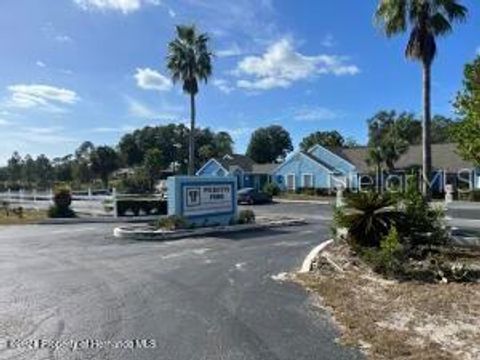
121	129
40	96
149	79
124	6
63	38
282	65
172	13
232	50
165	111
314	114
4	122
40	64
328	41
478	50
223	85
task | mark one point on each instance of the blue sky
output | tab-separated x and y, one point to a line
75	70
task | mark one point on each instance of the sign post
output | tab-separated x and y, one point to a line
203	201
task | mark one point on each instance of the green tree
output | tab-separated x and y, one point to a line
153	165
104	161
223	143
467	105
427	19
190	61
268	145
129	150
14	167
323	138
44	171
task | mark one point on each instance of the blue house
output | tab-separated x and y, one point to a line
329	168
248	173
320	168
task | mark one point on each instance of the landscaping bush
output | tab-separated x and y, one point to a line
423	225
246	217
368	216
388	259
271	189
138	183
172	222
147	206
62	201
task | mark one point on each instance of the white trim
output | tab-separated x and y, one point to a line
294	181
307	157
311	178
208	162
331	152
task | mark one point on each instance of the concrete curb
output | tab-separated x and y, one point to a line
307	263
313	202
160	235
97	220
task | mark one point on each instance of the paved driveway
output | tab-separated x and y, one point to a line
204	298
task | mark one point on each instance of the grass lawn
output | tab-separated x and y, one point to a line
390	319
29	217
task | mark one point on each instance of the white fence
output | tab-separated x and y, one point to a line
89	202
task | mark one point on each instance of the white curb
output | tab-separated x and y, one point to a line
307	263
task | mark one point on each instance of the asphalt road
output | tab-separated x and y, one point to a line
203	298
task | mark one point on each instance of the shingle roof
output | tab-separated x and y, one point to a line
236	160
320	161
264	168
444	156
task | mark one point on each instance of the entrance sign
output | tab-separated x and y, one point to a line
203	200
207	199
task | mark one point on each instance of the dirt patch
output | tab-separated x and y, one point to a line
390	319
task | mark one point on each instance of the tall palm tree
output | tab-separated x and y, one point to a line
427	19
190	61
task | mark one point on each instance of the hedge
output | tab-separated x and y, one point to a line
146	206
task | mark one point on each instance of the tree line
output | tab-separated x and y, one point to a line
152	153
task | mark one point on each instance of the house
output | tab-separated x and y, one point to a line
327	168
248	173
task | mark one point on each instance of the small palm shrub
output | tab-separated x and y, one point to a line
368	216
62	201
246	217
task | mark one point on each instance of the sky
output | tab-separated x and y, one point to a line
76	70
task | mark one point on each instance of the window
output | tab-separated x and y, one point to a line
307	181
290	182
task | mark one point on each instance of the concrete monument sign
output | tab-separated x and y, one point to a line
203	200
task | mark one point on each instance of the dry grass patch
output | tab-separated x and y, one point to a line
28	217
402	320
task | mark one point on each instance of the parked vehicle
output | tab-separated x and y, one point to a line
252	196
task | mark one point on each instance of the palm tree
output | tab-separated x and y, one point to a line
427	19
190	61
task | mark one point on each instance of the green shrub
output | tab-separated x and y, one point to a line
388	259
62	201
368	216
423	225
172	222
6	208
147	206
271	189
246	217
138	183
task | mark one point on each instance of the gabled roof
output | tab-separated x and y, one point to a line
444	157
236	160
310	157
